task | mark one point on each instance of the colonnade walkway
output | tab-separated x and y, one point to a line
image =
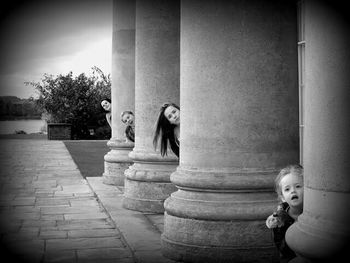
50	213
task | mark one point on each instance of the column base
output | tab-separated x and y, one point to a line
134	190
147	184
145	195
114	173
223	220
322	232
116	162
206	233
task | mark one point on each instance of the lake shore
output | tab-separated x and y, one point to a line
22	126
30	136
19	118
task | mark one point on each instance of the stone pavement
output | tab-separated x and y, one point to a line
50	213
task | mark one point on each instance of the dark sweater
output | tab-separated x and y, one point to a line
279	233
129	133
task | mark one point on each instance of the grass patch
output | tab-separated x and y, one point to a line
88	156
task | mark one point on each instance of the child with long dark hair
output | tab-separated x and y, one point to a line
107	108
167	129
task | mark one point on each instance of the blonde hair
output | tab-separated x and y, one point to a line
296	169
125	112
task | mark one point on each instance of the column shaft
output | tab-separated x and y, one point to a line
239	126
147	182
123	89
322	231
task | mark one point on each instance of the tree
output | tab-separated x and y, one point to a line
74	100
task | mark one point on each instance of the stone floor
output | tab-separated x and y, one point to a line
50	213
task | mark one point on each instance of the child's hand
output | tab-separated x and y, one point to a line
273	221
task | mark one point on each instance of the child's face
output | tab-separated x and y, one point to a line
106	105
128	119
172	114
292	190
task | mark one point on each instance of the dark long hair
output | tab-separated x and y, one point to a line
164	130
107	99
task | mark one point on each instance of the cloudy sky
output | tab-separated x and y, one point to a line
53	37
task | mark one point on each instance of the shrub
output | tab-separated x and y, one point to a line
20	132
74	100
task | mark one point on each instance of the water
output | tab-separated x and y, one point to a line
29	126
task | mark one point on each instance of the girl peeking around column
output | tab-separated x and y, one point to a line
107	108
128	118
290	189
167	129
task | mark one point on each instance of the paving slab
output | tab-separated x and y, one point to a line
48	211
142	231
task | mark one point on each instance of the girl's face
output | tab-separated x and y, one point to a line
106	105
128	119
292	190
172	114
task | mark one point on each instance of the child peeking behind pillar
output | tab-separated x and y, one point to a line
167	129
290	189
107	108
128	118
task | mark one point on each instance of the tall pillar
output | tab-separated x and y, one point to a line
323	230
239	127
147	182
123	90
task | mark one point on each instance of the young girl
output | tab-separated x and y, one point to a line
107	108
127	117
168	129
290	190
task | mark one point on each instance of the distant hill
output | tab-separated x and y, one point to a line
9	98
12	107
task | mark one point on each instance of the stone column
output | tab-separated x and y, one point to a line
123	90
323	230
239	127
147	182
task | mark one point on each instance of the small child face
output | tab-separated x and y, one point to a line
292	190
106	105
128	119
172	114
